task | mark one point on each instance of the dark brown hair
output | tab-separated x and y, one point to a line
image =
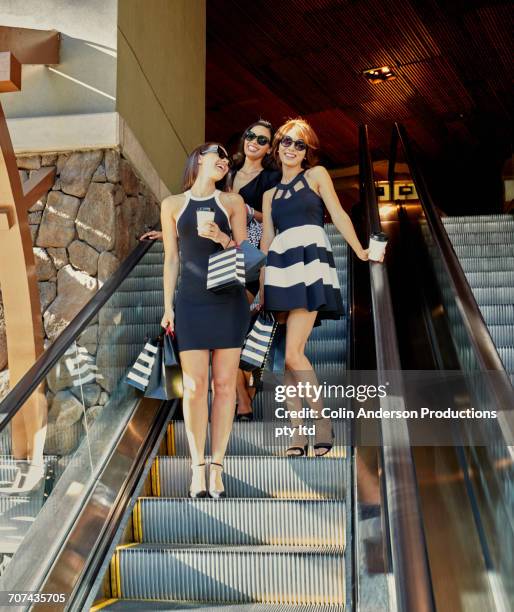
307	134
191	169
238	158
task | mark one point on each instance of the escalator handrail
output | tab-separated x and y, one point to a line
20	393
403	513
484	348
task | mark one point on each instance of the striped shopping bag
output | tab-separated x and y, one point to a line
81	365
258	342
139	374
226	270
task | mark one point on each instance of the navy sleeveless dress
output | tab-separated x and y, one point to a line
203	319
300	270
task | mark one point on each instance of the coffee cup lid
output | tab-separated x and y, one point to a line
379	237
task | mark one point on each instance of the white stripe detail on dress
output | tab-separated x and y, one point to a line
303	235
301	273
184	206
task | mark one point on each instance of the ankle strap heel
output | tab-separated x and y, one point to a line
201	492
215	493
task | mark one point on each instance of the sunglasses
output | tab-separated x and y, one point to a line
299	144
220	151
261	140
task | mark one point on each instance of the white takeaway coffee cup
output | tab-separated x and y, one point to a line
377	245
203	216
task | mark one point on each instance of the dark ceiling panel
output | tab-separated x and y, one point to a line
282	58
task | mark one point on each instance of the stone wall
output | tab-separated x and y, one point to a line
81	230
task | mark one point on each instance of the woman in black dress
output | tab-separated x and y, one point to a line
204	321
253	172
300	279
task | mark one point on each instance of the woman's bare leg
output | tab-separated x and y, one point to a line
299	327
225	364
195	372
244	401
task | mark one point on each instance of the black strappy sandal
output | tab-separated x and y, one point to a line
297	449
324	437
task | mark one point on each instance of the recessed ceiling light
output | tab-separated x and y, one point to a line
379	75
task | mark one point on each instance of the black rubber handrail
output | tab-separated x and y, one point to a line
20	393
478	333
406	537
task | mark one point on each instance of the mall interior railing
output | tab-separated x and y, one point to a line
487	446
94	463
406	538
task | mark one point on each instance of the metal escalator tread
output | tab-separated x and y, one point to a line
485	247
242	522
138	605
255	440
232	574
262	477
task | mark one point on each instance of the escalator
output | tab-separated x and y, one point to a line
278	538
485	247
462	276
113	527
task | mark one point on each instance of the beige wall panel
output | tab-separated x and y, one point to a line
161	79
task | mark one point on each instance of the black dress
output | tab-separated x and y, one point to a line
252	194
300	269
203	319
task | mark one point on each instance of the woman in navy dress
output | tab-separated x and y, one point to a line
204	321
253	172
300	279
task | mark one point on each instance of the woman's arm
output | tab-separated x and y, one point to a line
237	211
171	257
268	233
340	218
237	215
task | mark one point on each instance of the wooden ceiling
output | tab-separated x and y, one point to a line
282	58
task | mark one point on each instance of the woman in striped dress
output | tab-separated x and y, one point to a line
300	278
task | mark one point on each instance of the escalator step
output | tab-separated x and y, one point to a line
475	218
486	264
262	477
239	522
490	225
326	350
502	335
147	270
256	438
153	259
142	283
232	574
494	295
482	238
502	314
507	356
479	250
144	298
137	605
131	314
490	279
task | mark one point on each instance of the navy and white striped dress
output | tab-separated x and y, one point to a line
300	270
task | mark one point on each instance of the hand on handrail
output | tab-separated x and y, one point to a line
151	235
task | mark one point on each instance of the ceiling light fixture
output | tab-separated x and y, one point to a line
379	75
